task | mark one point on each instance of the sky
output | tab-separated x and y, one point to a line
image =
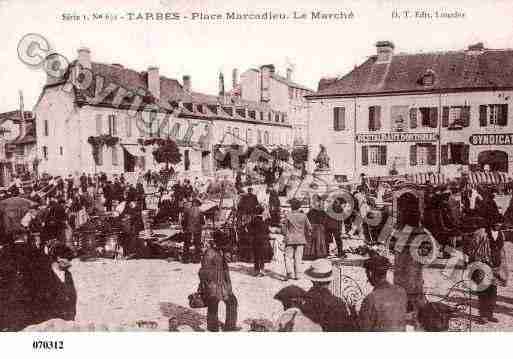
317	48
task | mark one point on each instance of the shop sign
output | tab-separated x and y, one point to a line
396	137
491	139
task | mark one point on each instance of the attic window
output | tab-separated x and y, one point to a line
252	114
241	112
228	110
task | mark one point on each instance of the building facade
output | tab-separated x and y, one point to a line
91	100
444	112
265	86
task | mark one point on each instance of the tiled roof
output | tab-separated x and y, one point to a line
289	82
15	116
453	70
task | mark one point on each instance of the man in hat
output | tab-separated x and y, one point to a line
259	232
325	309
214	276
384	309
293	319
193	221
295	228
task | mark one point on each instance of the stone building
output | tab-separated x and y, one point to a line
17	145
92	99
265	86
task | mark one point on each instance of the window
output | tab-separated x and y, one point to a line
45	153
259	136
249	136
423	154
456	117
374	118
455	153
115	160
112	125
60	150
236	137
495	115
100	156
429	117
277	117
261	116
399	117
374	155
46	132
128	124
339	118
266	138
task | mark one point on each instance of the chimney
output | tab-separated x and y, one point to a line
154	81
235	78
385	51
221	84
476	47
84	57
265	72
289	73
187	83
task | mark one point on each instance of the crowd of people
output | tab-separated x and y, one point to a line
60	209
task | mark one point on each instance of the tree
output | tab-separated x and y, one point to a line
166	151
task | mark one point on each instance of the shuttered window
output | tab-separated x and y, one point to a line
128	125
455	153
494	115
115	160
423	154
112	125
99	126
339	118
374	155
413	118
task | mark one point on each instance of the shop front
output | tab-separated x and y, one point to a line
396	153
492	151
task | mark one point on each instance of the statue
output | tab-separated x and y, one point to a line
322	160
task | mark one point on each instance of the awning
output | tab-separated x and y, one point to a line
134	150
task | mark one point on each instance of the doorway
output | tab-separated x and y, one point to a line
129	161
497	160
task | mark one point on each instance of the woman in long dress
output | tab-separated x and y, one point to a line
316	243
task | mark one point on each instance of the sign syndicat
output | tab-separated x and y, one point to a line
491	139
396	137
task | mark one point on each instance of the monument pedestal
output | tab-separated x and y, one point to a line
324	175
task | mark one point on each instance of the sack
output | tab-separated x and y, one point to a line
196	300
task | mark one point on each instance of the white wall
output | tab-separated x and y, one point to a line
341	146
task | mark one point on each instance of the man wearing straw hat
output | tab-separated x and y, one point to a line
325	309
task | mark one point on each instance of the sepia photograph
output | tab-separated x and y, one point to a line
231	166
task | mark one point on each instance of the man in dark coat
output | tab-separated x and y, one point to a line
325	309
251	201
259	232
193	221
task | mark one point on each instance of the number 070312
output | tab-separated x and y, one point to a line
48	345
